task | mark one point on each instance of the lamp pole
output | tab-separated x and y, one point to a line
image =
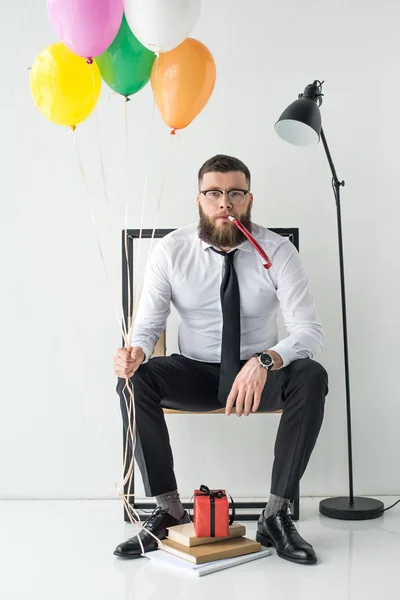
300	124
336	185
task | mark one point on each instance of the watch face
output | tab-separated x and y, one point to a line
266	360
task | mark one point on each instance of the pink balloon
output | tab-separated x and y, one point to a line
87	27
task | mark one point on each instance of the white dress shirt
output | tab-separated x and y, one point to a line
182	270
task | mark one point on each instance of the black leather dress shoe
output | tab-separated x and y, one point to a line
157	523
278	530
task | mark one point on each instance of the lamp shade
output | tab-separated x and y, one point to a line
300	123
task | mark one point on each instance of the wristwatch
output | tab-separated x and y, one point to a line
265	360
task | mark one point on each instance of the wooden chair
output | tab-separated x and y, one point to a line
160	350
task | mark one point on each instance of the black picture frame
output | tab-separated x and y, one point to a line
127	271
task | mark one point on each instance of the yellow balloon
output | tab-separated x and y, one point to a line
64	87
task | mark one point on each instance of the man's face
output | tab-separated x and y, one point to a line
214	206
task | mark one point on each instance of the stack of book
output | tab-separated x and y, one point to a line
200	556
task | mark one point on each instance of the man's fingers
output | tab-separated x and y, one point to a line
127	361
123	374
124	361
123	352
230	400
240	402
248	402
257	400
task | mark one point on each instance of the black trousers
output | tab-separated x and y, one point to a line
184	384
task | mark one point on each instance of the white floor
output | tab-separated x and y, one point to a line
63	550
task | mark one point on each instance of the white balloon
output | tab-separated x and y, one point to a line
161	25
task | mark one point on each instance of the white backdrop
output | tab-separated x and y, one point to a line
60	432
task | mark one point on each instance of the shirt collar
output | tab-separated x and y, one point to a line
246	246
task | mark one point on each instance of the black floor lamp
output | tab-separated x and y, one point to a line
300	124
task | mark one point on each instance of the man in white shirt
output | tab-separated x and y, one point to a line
187	270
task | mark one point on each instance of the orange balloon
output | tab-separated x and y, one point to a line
183	81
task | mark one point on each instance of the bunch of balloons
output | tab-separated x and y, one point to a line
126	43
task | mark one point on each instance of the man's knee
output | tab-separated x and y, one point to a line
146	380
123	384
310	372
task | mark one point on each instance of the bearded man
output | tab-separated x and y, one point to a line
229	352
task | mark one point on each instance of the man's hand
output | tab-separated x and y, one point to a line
247	388
127	361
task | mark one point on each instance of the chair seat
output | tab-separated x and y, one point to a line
219	411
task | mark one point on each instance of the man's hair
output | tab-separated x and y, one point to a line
224	164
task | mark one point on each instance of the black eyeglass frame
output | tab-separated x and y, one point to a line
222	192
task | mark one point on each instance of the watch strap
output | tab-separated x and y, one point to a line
258	354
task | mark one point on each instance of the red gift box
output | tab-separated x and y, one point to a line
211	513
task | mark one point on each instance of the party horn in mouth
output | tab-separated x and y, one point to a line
256	245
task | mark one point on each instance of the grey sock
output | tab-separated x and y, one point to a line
172	502
274	504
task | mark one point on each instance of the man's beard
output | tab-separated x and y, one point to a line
226	236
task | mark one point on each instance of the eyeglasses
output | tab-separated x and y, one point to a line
235	196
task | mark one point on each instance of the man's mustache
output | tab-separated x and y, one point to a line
224	215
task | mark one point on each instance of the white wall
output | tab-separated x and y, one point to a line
60	421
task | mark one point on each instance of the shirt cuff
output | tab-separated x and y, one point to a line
146	349
288	355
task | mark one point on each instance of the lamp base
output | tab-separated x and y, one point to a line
360	510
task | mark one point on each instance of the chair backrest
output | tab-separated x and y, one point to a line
128	238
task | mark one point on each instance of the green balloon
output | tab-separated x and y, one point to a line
126	65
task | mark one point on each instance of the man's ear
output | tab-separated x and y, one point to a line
251	197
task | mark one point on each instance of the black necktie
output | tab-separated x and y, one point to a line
230	346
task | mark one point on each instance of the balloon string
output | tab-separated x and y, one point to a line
131	432
162	187
96	229
130	406
109	223
128	479
163	182
81	166
126	136
92	74
127	258
134	518
136	298
130	403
